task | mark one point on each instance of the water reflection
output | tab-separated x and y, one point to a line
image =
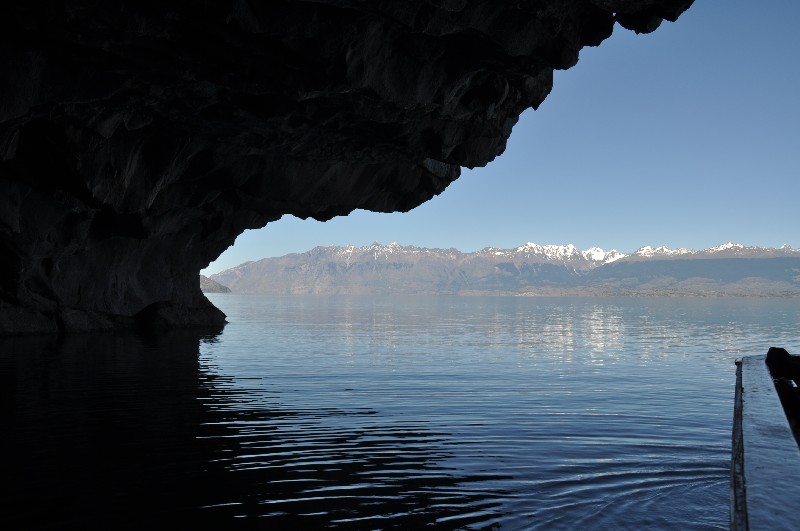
387	413
103	431
557	396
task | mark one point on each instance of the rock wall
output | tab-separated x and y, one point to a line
137	140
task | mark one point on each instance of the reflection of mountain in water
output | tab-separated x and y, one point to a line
126	432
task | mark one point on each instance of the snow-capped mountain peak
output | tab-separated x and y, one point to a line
553	252
567	254
596	254
531	269
730	246
649	252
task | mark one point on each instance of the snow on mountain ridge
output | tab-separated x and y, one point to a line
738	247
552	252
727	247
594	256
613	255
648	251
532	253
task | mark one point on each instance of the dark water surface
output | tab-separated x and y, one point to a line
387	413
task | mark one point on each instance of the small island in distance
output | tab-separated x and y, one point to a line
529	270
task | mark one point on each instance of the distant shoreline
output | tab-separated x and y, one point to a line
610	295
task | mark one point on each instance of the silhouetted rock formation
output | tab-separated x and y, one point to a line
138	141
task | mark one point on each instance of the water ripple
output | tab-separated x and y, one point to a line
401	413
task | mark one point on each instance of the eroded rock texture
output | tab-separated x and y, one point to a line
138	139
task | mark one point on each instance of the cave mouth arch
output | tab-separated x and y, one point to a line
138	143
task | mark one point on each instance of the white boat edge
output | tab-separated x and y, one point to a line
765	460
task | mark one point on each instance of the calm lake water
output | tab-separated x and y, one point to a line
388	413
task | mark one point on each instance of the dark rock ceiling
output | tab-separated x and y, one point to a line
138	139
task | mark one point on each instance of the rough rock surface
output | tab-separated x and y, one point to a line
137	140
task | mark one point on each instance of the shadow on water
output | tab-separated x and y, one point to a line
124	431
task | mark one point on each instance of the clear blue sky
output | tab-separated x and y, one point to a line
686	137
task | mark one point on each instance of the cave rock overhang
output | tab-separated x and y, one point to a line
138	140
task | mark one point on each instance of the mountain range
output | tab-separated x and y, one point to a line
209	286
531	269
